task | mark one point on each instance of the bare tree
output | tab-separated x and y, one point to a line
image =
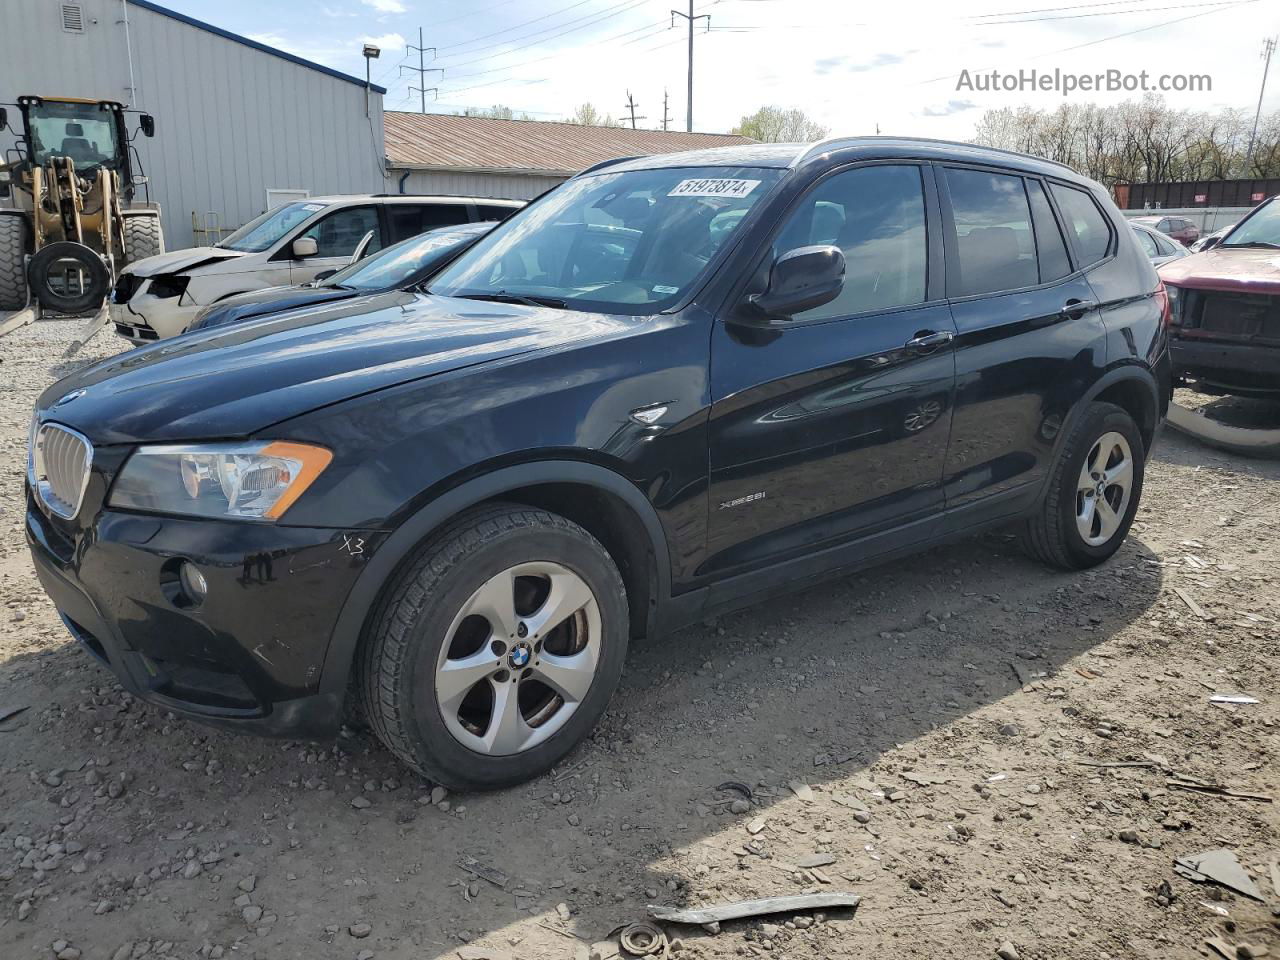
780	125
588	116
1138	141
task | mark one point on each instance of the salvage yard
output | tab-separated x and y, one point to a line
1000	760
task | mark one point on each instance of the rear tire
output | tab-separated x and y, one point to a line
1093	494
143	237
454	686
13	265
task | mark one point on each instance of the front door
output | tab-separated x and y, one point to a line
833	425
336	237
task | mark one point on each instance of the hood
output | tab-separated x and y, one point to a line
233	381
1244	270
258	303
180	260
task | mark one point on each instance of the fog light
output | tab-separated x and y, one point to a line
194	585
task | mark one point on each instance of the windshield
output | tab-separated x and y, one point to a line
631	242
402	262
263	232
82	131
1262	228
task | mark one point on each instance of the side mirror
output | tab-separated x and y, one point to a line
322	275
304	247
4	118
148	124
1210	243
800	280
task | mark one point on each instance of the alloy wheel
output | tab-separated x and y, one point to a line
519	658
1106	483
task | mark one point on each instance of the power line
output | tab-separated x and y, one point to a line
1109	13
498	33
1114	36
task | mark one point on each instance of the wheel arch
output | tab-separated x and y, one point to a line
598	499
1134	389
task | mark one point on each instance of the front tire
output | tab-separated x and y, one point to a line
143	237
13	262
497	649
1093	494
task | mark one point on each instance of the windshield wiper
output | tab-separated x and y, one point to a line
1266	245
503	297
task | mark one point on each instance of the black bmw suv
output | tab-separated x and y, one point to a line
671	387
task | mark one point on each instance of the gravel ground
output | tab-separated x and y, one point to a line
922	733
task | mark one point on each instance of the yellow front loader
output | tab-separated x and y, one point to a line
70	223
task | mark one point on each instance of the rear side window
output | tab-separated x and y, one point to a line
490	212
408	220
1051	249
1148	243
1093	236
994	239
876	216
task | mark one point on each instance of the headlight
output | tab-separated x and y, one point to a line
249	481
1175	303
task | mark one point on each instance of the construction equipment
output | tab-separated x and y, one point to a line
72	223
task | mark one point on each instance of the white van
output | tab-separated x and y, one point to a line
288	245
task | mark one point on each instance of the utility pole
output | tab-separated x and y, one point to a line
631	105
422	70
691	18
1268	48
666	112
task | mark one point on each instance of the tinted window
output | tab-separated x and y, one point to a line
1093	236
338	234
490	212
408	220
994	240
1051	249
876	216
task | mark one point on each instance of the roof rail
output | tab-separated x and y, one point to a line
605	163
830	141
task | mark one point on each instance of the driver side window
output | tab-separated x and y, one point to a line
875	215
338	234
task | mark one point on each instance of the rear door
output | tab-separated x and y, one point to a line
1029	336
833	425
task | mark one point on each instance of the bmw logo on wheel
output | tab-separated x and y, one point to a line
520	656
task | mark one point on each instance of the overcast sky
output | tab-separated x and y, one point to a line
851	66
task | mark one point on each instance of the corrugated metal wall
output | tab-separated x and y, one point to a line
509	185
231	120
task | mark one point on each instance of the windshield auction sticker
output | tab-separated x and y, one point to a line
713	188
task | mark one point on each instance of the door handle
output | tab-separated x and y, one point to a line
1075	309
927	339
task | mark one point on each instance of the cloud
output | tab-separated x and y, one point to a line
948	108
827	64
388	41
879	60
385	6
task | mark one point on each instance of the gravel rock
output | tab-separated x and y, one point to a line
360	930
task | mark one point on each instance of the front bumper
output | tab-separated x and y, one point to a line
145	319
250	656
1231	366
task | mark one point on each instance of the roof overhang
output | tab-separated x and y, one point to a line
510	171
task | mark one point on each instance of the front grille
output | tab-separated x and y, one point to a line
1246	316
61	462
126	286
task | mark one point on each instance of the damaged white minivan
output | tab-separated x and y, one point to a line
288	245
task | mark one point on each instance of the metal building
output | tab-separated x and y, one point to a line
239	124
519	159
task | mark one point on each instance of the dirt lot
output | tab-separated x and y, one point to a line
934	717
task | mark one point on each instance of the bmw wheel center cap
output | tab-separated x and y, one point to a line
520	656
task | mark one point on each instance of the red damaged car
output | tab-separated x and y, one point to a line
1225	305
